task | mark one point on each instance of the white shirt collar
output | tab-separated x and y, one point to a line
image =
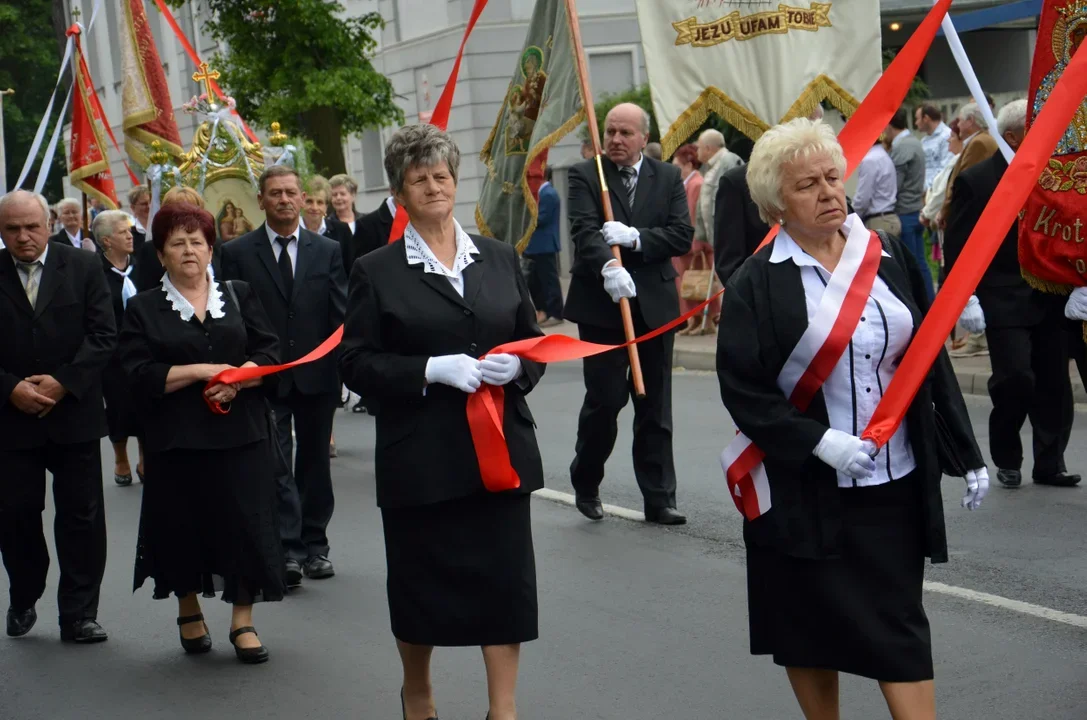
900	137
41	258
419	253
785	248
390	202
184	308
637	166
74	239
967	140
272	234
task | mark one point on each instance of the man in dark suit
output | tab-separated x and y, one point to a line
70	213
542	255
738	229
371	231
59	332
1028	343
652	225
139	205
299	278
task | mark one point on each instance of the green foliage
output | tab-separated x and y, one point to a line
29	62
304	64
919	90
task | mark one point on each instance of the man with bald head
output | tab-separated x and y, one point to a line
59	332
651	226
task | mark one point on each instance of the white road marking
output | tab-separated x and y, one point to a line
1018	606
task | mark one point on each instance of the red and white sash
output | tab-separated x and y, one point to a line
811	362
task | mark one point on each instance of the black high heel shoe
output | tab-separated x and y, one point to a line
249	656
404	708
195	646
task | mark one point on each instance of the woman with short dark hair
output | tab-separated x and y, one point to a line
209	521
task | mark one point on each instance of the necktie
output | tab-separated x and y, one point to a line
286	269
33	274
128	288
630	180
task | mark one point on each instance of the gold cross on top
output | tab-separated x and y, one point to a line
206	76
76	13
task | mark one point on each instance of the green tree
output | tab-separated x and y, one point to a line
919	90
29	62
305	65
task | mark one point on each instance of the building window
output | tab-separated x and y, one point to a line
612	69
373	161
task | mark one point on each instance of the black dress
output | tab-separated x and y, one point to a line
209	520
461	568
120	414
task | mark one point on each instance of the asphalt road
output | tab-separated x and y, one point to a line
637	622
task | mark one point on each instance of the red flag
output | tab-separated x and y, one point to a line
148	114
88	165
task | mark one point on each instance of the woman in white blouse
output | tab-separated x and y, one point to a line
836	562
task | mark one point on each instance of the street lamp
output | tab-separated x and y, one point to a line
3	158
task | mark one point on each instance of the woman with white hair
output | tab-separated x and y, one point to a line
113	230
70	213
813	329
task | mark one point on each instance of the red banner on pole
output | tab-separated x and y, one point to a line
88	164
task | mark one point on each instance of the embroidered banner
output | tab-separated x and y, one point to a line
88	165
737	27
148	113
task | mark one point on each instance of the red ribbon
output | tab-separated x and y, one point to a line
988	234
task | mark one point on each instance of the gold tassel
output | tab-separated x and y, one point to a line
1046	286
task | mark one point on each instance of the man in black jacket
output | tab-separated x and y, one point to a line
652	225
1028	344
299	278
59	334
738	229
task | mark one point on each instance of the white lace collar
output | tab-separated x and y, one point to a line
419	253
184	308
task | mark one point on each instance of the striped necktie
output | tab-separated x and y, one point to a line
33	275
630	180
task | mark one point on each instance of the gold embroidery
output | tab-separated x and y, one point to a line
735	26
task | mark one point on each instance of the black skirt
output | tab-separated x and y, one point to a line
121	417
861	613
209	523
462	572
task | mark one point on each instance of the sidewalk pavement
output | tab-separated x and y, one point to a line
700	353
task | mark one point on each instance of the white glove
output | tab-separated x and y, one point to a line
500	368
617	281
977	487
459	371
616	233
847	454
972	319
1076	307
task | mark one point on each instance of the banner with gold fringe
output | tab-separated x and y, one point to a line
145	95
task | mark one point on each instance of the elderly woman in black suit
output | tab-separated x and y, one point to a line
461	569
836	562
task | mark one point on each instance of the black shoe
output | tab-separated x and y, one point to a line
21	621
665	516
1010	478
195	646
318	567
1061	479
590	507
404	709
84	631
293	574
122	480
249	656
139	475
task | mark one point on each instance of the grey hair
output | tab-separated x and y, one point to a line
66	202
712	137
343	180
1013	117
646	121
971	111
780	145
415	146
108	219
11	196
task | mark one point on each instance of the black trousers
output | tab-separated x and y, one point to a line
1030	379
1077	348
607	388
543	283
304	478
79	529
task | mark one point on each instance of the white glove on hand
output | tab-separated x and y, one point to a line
1076	307
617	281
616	233
977	487
847	454
972	319
459	371
500	368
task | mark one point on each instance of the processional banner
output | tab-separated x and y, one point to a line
88	165
755	63
145	94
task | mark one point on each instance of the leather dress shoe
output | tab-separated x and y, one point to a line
318	567
21	621
293	574
198	645
248	656
84	631
590	507
1009	478
665	516
1061	479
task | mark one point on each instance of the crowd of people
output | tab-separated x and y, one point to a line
124	330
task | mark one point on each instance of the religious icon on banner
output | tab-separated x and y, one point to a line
524	101
1052	230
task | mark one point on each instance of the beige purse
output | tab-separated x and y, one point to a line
695	283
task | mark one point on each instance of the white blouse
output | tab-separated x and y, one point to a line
419	253
862	375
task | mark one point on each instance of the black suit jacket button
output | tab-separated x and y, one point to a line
290	316
467	311
473	347
291	343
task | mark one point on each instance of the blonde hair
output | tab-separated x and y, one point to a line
182	194
343	180
318	184
779	146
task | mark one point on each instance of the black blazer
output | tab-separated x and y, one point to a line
400	317
1005	297
738	229
371	232
139	239
149	271
304	320
61	238
116	285
763	318
70	335
660	214
154	338
340	233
